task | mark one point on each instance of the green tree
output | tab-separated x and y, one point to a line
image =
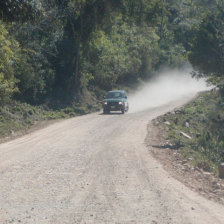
8	48
207	47
15	10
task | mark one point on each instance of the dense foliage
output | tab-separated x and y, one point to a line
56	52
8	57
207	46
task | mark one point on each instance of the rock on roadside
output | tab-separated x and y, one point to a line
221	170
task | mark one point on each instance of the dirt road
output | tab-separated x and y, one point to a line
95	169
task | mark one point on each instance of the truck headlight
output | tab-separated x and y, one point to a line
120	103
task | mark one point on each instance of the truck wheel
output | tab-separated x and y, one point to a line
106	111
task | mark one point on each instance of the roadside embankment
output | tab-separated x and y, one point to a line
189	142
17	118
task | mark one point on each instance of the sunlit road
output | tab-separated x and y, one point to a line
95	169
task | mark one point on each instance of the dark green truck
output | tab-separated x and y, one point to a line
115	101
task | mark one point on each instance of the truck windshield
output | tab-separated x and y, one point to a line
114	95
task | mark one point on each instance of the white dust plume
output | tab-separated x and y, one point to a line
165	87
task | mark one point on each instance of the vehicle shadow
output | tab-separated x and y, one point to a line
111	113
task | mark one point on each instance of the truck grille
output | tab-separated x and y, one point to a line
112	103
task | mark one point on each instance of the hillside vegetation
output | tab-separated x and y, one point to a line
57	52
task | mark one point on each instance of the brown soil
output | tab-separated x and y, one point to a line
207	184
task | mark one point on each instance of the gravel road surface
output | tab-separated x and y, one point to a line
95	169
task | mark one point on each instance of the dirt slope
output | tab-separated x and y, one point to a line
95	169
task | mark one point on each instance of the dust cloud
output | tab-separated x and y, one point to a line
166	87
